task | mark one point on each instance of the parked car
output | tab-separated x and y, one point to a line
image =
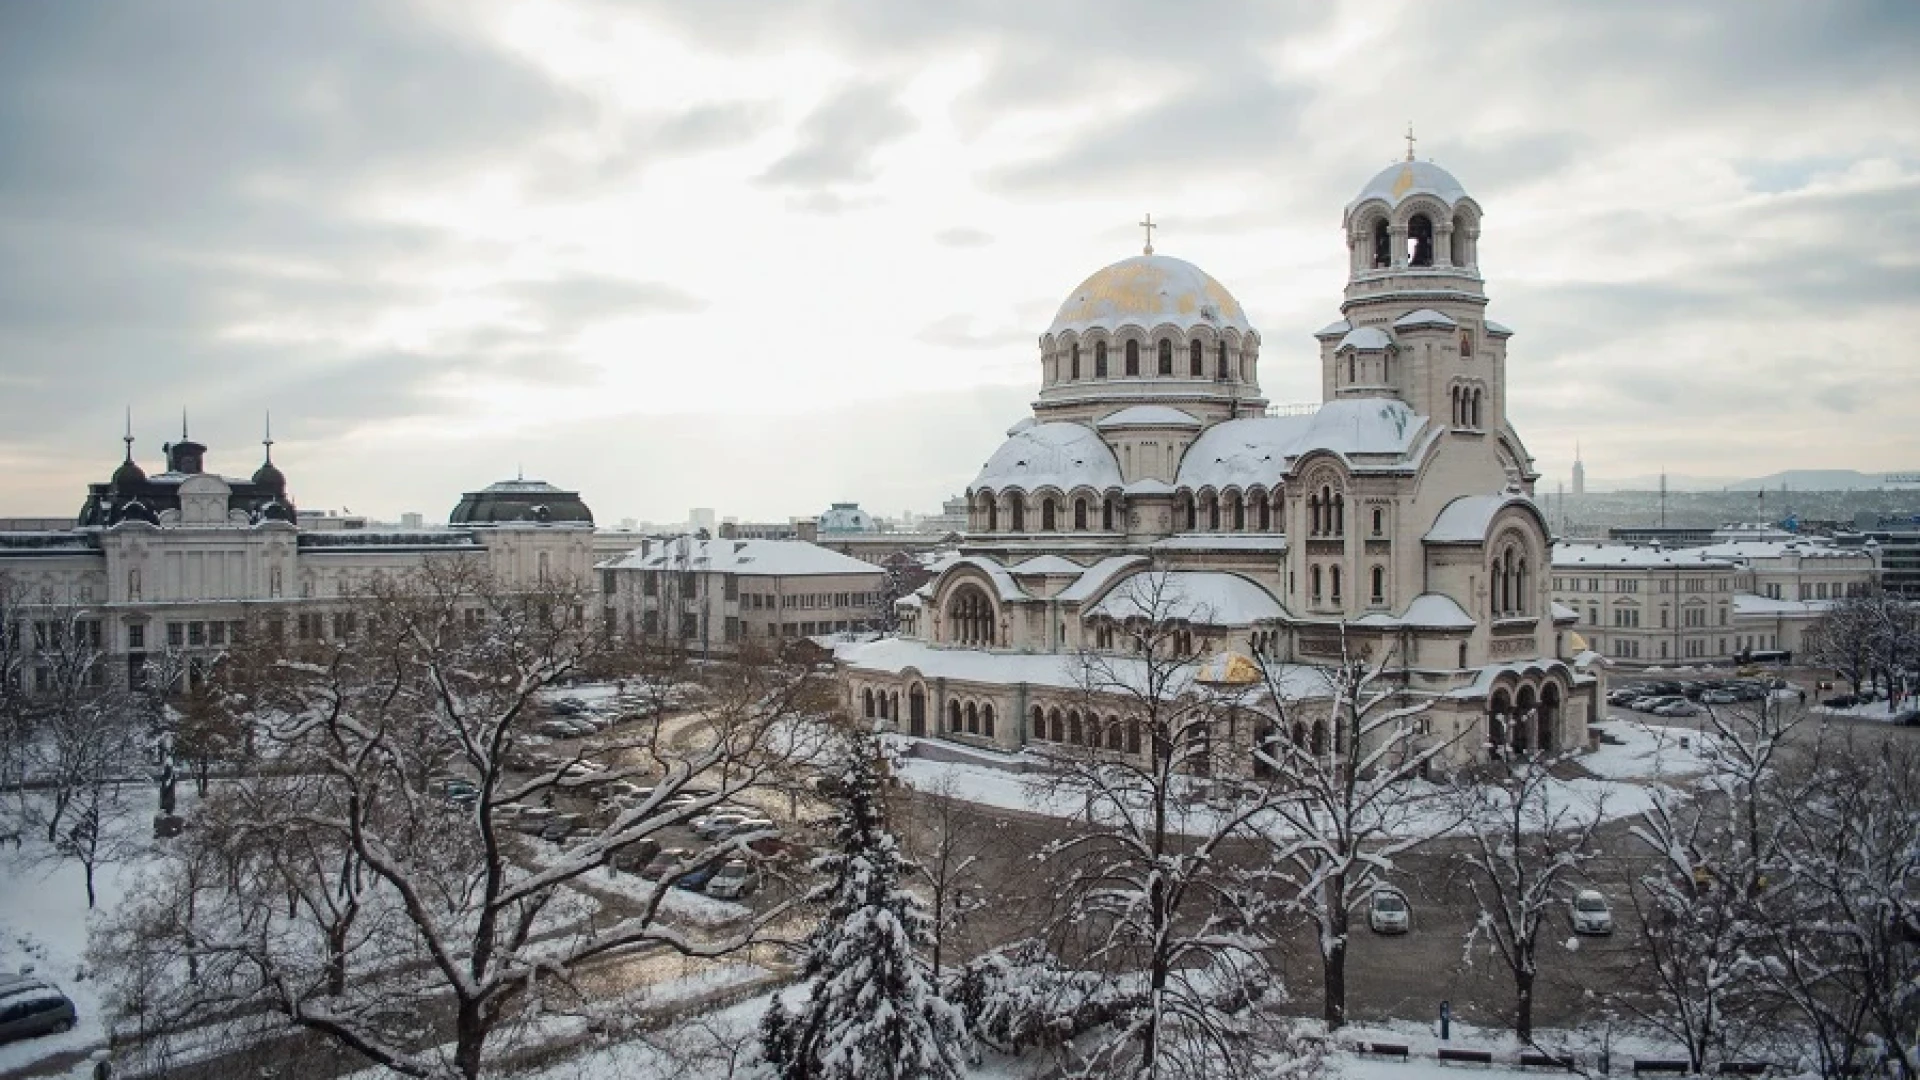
1719	697
634	855
1678	708
714	826
1654	705
569	706
1590	914
1906	717
1387	912
747	826
697	878
555	729
734	880
1841	701
31	1007
533	819
663	861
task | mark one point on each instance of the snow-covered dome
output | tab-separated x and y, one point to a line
1404	179
1147	291
1060	454
847	518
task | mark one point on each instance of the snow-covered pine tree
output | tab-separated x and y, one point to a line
871	1013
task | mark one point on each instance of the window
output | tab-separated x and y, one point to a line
1196	360
731	586
1133	358
1166	357
343	625
1379	584
1379	521
1220	371
217	633
1333	576
196	633
136	636
1313	583
176	634
1073	363
1047	521
649	584
1080	514
1100	360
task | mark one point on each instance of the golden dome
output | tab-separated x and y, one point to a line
1146	291
1229	669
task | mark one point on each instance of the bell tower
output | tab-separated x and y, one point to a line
1414	325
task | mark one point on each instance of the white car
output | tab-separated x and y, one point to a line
733	881
1590	914
1387	913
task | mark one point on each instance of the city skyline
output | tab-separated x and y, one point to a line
802	253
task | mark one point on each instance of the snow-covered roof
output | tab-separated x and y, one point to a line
1336	328
1750	550
1206	541
762	558
1146	291
1428	611
1057	454
1466	519
1059	671
1496	329
1365	337
1047	564
1423	317
1098	575
1003	582
1629	556
1258	449
1563	613
1147	485
1203	596
1752	605
1148	416
1404	179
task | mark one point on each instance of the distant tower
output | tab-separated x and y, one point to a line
1579	473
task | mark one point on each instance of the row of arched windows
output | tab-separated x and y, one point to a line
1327	512
1077	362
1323	588
971	718
1511	583
970	617
1423	244
1084	514
1070	729
880	705
1230	511
1466	406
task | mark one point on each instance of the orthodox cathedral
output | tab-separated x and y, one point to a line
1397	516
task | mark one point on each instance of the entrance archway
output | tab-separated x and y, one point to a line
917	710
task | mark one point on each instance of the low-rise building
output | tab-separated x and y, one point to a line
717	595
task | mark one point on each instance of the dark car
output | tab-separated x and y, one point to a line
634	855
696	879
658	866
1841	701
33	1007
1906	717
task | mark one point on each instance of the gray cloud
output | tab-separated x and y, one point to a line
580	298
837	142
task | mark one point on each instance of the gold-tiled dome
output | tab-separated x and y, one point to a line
1146	291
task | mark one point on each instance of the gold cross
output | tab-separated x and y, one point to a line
1148	225
1409	140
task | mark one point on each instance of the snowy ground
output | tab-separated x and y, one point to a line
1646	751
1882	711
44	922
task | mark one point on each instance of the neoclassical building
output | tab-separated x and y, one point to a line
181	560
1398	513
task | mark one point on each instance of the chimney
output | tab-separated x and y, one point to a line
808	529
729	530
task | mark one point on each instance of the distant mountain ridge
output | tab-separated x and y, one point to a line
1792	479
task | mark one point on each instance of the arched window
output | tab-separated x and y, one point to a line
1059	726
1073	727
1192	512
1352	368
1313	515
973	719
1240	515
1099	359
1017	511
1339	514
1266	515
866	698
1420	241
1476	408
1221	371
1037	722
1080	515
1382	244
1196	360
1133	736
1459	253
1333	576
1106	515
1073	369
1166	357
1379	584
1319	740
1047	522
1133	358
953	716
1213	513
970	616
1313	583
1115	736
1379	521
986	720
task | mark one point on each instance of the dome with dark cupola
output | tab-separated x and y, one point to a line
1149	291
129	475
268	475
520	501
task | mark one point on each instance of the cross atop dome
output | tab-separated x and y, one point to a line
1409	140
1147	224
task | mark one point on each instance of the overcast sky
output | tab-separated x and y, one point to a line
762	254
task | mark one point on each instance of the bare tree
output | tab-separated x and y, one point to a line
1346	740
1524	848
1843	939
1719	860
1146	897
1871	639
356	900
946	847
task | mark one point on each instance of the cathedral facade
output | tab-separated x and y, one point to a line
1394	520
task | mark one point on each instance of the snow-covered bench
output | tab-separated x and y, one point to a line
1742	1068
1460	1055
1643	1066
1384	1049
1533	1059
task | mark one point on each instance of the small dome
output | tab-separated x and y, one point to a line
268	475
128	475
1058	454
275	510
1148	290
1404	179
